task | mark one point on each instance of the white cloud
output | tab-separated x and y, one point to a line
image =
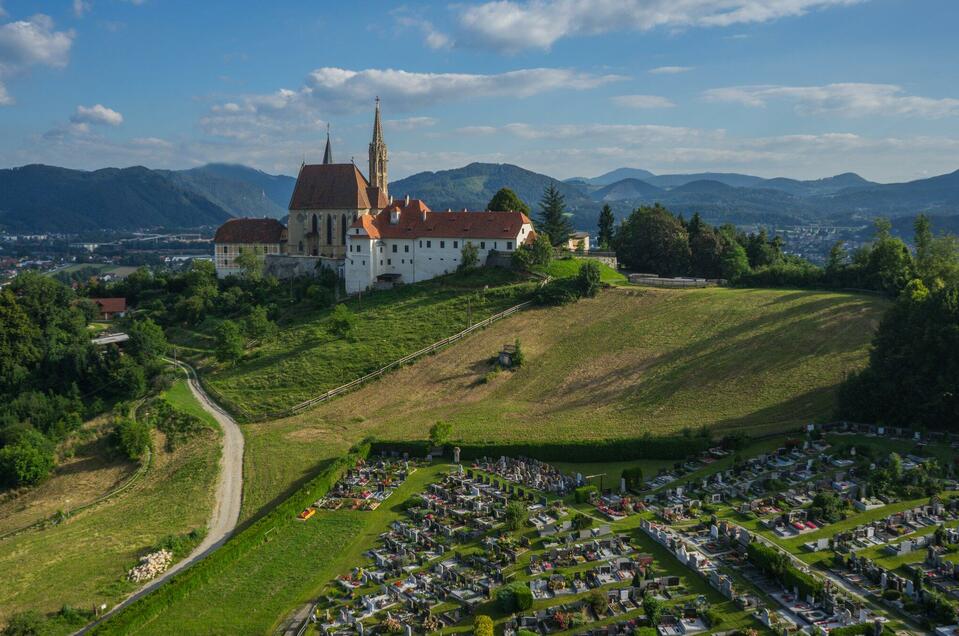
337	90
849	99
642	101
81	7
28	43
432	37
515	25
342	89
97	114
670	70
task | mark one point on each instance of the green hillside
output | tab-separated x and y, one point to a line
628	362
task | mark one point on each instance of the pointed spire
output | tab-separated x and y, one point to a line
328	153
378	155
377	128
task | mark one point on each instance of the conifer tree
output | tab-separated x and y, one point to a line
606	223
553	216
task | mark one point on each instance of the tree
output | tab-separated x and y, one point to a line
553	216
469	257
250	264
27	461
734	262
132	437
482	625
147	341
342	321
259	325
537	253
588	278
505	200
597	600
826	506
607	224
581	521
519	358
229	342
440	433
515	597
633	477
653	609
652	240
515	516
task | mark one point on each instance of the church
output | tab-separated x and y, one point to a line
342	221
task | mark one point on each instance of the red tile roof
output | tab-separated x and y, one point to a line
416	220
250	231
111	305
334	186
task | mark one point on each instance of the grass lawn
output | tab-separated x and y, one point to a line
619	365
83	561
253	594
569	267
306	359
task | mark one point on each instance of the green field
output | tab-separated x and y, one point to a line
83	561
305	359
569	267
624	363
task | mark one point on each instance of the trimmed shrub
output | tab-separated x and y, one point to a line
584	493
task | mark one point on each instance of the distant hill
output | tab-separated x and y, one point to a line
474	185
240	190
38	198
627	189
45	198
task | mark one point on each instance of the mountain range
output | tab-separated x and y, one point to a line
38	198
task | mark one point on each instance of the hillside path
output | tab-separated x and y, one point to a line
227	500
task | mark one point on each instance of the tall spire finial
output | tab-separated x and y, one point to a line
378	154
328	153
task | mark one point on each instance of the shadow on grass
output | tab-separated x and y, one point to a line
729	350
264	509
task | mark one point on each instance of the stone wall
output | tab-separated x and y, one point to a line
286	266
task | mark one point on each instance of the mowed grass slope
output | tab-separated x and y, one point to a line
305	359
628	362
83	561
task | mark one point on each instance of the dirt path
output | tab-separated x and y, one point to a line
226	505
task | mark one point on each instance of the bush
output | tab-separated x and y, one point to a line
556	293
132	437
515	597
29	623
482	625
516	515
581	522
342	321
440	432
27	461
891	595
588	279
584	493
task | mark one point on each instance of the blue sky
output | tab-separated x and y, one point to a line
801	88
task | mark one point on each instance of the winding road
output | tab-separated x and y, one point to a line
227	500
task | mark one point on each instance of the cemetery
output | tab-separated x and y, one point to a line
543	551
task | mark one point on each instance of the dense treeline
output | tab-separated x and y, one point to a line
52	377
655	241
913	373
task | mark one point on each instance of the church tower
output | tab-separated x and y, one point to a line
378	155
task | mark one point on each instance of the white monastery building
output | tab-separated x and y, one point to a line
408	242
340	220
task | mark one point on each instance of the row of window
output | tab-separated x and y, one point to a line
429	244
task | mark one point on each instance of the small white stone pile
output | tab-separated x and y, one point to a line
150	565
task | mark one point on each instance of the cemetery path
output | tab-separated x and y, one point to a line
227	499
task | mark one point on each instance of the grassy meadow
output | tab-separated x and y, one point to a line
627	362
305	358
83	560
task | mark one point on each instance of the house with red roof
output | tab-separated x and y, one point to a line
406	242
239	235
110	308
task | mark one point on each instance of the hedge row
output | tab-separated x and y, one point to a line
647	447
216	563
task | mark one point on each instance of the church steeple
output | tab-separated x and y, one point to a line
378	156
328	153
